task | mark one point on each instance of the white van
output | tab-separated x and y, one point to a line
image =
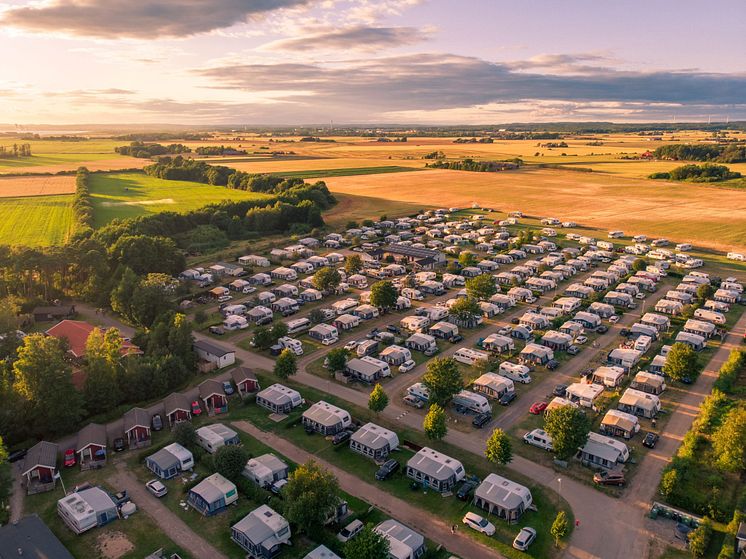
515	372
683	247
616	234
539	438
736	256
472	402
412	294
298	325
420	391
292	344
469	356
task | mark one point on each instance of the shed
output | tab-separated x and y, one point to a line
177	408
245	380
214	353
91	446
39	469
212	394
136	423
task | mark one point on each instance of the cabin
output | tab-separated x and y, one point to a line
502	497
91	446
215	354
212	395
137	428
39	468
170	461
279	399
374	442
435	470
212	495
177	408
325	418
245	381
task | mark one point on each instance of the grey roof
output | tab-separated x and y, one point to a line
42	453
136	417
93	433
208	490
434	464
212	348
364	368
32	539
375	437
601	450
209	387
176	401
503	492
399	532
326	414
164	459
98	499
321	552
255	526
240	374
271	461
406	250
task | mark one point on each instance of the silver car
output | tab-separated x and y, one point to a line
524	539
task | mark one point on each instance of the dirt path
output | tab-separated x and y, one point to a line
427	524
18	494
172	525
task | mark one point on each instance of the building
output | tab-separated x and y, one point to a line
177	408
404	543
261	533
30	538
214	353
76	333
91	446
502	497
639	403
326	418
435	470
212	395
39	470
170	461
86	509
245	381
137	428
619	424
57	312
212	495
374	441
419	258
265	470
212	437
279	399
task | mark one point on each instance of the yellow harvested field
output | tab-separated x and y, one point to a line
707	216
290	165
13	187
113	164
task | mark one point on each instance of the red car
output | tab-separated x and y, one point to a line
537	408
69	457
196	410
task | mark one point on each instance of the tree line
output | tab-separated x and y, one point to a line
708	172
477	166
144	150
82	206
16	151
732	153
218	150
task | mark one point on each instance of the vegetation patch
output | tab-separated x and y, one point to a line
36	221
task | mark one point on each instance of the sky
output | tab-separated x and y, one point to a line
367	62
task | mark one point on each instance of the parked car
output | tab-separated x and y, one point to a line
352	344
552	364
640	295
560	390
227	387
341	437
515	320
466	489
537	408
524	538
119	444
156	488
407	366
17	455
69	459
614	318
481	419
505	330
413	401
580	340
602	329
479	523
429	352
196	409
607	477
393	328
456	339
650	440
507	398
217	330
350	531
573	350
329	341
157	422
277	486
387	469
372	334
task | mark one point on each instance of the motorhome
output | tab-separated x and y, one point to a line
472	401
299	325
470	356
292	344
515	372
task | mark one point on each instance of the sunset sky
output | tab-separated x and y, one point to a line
367	61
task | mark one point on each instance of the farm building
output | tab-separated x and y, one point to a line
169	461
502	497
374	441
212	495
326	418
435	470
266	469
279	399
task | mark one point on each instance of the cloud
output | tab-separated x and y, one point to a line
140	19
354	38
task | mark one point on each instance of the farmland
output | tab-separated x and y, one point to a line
36	220
126	195
36	185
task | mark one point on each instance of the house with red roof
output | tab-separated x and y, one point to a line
76	333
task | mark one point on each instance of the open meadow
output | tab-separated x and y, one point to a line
36	220
36	185
126	195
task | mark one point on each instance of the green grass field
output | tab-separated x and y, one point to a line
36	220
345	172
127	195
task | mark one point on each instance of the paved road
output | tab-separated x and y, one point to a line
431	526
174	527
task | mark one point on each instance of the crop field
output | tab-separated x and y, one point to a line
355	171
286	166
36	220
36	186
706	216
126	195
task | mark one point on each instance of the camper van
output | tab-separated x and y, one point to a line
472	401
292	344
299	325
515	372
539	438
419	391
412	294
470	356
366	347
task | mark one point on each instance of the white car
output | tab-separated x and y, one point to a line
156	488
614	318
524	539
478	523
580	340
640	296
329	341
349	346
407	366
350	531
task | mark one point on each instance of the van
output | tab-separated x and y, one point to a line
736	256
472	401
299	325
367	347
683	247
643	343
515	372
292	344
412	294
419	391
539	438
470	356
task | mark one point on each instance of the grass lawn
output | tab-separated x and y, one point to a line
127	195
319	173
36	220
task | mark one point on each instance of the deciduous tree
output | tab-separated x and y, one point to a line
286	364
442	379
311	495
378	399
368	544
481	287
729	442
499	449
681	362
230	461
466	309
353	264
383	294
560	527
435	423
326	279
569	427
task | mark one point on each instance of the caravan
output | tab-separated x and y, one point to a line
515	372
292	344
472	401
470	356
299	325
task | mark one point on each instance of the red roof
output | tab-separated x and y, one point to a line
76	333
